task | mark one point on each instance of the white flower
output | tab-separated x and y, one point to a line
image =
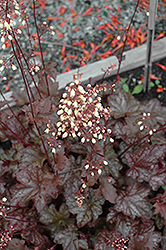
53	150
59	124
46	130
65	135
64	95
2	68
2	39
60	112
81	89
75	104
86	166
93	140
100	136
151	132
142	127
105	162
4	199
82	139
111	140
90	123
99	171
14	67
3	46
72	93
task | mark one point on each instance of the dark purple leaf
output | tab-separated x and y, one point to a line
123	104
53	88
157	112
132	202
90	209
34	185
108	190
160	207
61	160
144	165
146	241
16	244
41	112
114	165
69	239
31	157
104	241
20	96
50	69
55	220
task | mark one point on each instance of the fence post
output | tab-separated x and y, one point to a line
150	38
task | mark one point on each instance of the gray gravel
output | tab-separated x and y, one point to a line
88	33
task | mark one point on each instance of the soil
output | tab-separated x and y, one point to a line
137	73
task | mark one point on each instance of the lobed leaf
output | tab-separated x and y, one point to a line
132	202
34	185
55	220
122	104
108	190
69	239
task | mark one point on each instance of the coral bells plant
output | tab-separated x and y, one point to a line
82	169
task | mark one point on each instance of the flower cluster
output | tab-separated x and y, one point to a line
9	11
80	113
119	242
3	208
6	236
145	123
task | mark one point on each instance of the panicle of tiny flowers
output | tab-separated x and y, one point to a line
3	208
145	123
79	198
6	236
11	13
80	113
119	242
95	166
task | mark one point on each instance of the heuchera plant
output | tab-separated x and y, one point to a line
82	169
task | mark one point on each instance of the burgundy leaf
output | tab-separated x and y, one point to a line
144	164
61	160
123	104
108	190
55	220
41	112
69	239
34	185
90	209
34	237
16	244
20	96
50	69
114	165
146	241
132	202
157	112
104	241
157	177
53	88
160	207
31	157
